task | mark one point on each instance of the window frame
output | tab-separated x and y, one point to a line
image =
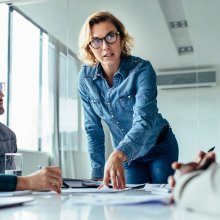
60	48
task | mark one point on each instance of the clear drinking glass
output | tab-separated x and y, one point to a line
13	163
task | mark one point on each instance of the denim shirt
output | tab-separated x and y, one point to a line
129	108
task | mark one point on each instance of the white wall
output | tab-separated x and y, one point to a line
194	117
81	158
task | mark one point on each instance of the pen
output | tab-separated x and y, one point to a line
211	149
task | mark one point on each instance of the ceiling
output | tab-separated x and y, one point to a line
148	21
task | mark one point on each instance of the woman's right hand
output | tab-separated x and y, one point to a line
114	170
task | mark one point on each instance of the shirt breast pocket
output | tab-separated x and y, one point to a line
127	102
97	106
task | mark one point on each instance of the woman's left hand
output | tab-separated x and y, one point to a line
114	170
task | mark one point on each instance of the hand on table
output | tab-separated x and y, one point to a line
48	178
114	170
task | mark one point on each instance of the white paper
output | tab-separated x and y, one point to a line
158	188
136	186
11	201
119	199
92	190
16	193
82	190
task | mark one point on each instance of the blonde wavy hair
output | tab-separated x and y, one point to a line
85	54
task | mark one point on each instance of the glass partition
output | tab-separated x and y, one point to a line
180	38
3	53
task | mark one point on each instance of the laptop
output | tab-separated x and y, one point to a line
14	201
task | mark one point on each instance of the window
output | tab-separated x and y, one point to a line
24	84
68	102
4	53
42	80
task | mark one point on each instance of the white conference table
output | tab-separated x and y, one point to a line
60	207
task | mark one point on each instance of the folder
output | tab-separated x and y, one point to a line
80	183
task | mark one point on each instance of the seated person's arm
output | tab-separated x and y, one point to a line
197	186
203	161
48	178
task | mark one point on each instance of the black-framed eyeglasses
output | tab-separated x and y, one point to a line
110	38
2	86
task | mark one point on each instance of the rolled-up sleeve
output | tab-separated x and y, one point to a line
199	190
8	182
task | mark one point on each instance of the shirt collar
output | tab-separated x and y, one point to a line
98	71
122	69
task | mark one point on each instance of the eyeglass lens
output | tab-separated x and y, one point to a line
2	86
109	38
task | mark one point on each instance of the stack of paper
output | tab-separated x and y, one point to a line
104	189
120	199
158	188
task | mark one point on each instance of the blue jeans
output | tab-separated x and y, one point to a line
155	167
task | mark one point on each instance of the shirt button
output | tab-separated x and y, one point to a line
122	129
129	96
112	116
109	103
117	122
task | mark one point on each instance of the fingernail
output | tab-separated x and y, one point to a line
169	179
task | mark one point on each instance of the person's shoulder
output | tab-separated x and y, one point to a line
87	71
138	61
142	69
6	133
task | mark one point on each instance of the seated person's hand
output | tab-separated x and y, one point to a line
201	154
48	178
203	161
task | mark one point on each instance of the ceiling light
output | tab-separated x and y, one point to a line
178	24
185	50
175	17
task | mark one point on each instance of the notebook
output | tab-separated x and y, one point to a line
14	201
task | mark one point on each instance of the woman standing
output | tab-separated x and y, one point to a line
120	89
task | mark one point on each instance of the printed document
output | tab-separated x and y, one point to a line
120	199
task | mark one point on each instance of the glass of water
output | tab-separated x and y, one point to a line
13	163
